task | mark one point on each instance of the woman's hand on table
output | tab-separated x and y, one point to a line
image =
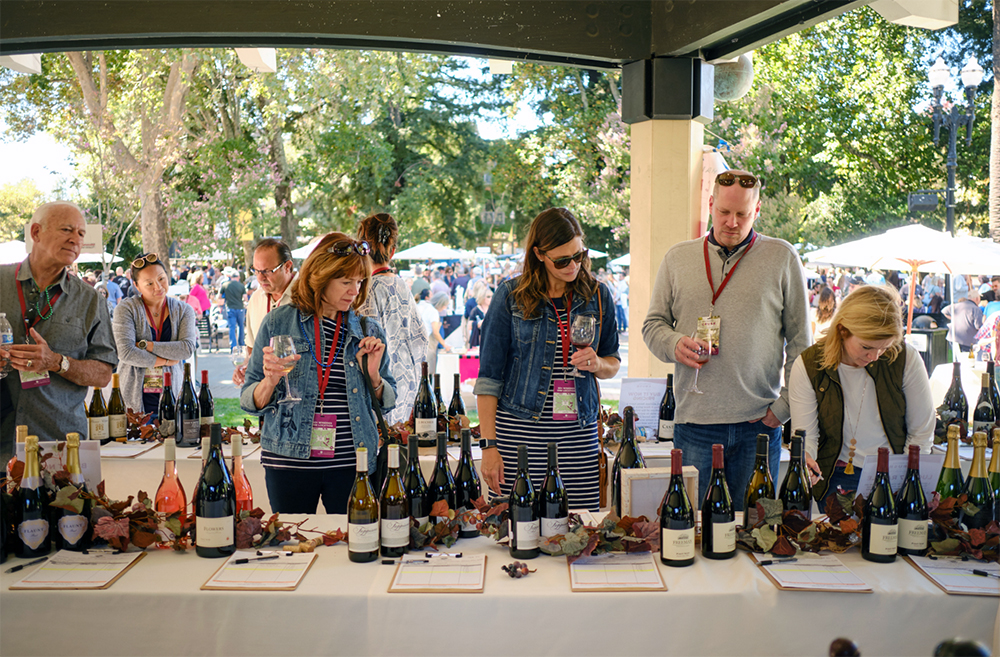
274	367
492	468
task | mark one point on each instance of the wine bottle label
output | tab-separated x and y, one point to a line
985	427
425	427
395	532
724	537
99	428
883	539
72	528
362	538
677	544
912	534
215	532
191	430
750	519
666	430
117	425
207	419
168	427
554	526
526	535
33	532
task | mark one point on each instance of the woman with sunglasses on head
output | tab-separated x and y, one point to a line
390	303
526	391
153	333
309	445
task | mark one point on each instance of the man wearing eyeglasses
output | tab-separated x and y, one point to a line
740	295
275	271
69	346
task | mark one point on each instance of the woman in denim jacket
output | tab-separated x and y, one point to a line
309	445
526	391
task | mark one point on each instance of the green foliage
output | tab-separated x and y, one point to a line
17	203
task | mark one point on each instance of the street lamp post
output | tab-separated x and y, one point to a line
954	119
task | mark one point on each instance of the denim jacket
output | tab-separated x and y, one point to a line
516	353
288	428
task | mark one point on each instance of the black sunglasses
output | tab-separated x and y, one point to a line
747	181
143	260
345	247
563	263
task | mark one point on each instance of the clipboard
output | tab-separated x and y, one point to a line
439	573
75	571
982	590
281	574
852	583
615	571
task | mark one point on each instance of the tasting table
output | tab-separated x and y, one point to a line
711	608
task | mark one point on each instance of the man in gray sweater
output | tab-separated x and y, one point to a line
751	287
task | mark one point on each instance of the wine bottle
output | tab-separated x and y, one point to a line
760	486
994	393
984	416
73	525
977	487
911	507
416	489
456	407
995	468
956	402
117	420
166	411
553	507
438	398
394	510
676	518
880	522
425	411
170	497
32	523
21	431
627	458
467	487
524	524
189	413
362	515
206	405
442	483
665	430
950	480
206	446
718	517
244	494
215	508
796	491
97	417
4	513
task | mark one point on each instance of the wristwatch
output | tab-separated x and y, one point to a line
64	365
484	443
141	344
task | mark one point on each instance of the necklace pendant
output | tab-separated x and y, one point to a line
849	470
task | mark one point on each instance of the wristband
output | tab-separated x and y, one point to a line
379	386
485	444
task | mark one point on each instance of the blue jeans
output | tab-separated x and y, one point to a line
622	317
236	323
740	447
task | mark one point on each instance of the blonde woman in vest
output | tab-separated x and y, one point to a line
860	388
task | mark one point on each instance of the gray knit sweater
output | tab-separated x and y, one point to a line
765	326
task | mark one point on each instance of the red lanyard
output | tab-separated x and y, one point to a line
381	270
324	376
24	308
564	332
163	317
708	269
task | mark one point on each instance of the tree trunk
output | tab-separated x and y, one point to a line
995	130
283	190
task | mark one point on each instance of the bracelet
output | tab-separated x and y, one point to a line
485	443
379	387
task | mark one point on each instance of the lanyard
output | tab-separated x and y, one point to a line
324	376
152	327
564	332
381	270
24	308
725	281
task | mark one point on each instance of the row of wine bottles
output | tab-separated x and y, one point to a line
986	413
107	421
429	406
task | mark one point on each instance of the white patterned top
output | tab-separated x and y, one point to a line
390	303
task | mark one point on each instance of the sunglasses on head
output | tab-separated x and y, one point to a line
563	263
143	260
345	247
747	181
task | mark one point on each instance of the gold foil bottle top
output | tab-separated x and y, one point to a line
979	439
73	439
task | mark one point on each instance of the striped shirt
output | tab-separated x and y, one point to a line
333	402
578	447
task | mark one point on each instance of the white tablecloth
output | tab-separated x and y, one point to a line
711	608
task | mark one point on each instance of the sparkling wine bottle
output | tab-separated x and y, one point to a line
456	407
467	486
665	430
676	518
215	507
553	507
244	494
525	527
73	525
977	487
117	419
189	413
206	405
911	507
97	417
32	523
627	458
950	480
425	411
166	410
170	497
760	486
718	517
796	491
395	512
362	515
442	483
880	522
984	416
21	431
956	402
416	489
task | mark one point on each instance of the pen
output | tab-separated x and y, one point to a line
248	560
983	573
25	565
771	562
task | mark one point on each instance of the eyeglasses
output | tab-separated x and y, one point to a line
267	272
142	261
563	263
747	181
345	247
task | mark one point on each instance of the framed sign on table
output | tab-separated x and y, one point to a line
643	490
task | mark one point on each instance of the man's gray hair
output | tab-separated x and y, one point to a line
44	211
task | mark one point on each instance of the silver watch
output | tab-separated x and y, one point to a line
64	365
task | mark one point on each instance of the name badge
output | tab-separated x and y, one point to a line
709	330
152	380
34	380
564	399
324	436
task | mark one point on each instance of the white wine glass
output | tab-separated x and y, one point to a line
581	334
284	347
238	355
702	355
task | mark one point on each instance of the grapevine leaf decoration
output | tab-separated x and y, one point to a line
440	509
115	532
765	536
68	498
645	537
770	510
334	537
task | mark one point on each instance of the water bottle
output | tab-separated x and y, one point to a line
6	341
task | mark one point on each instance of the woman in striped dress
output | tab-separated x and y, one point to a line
526	391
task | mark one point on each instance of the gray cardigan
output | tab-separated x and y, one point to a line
131	325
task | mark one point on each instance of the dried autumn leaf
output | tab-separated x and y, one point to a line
783	548
334	537
770	510
142	539
766	538
439	509
68	497
947	546
977	537
795	521
834	509
849	525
